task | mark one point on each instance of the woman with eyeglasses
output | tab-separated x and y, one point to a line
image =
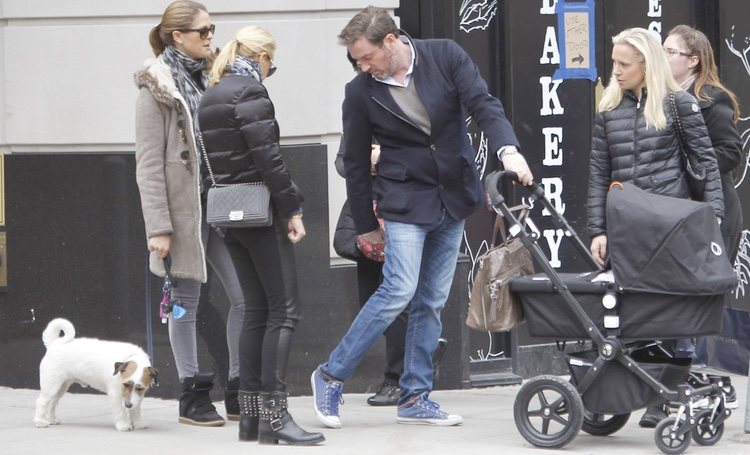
691	59
168	174
241	138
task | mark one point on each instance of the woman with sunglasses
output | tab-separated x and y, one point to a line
241	137
168	175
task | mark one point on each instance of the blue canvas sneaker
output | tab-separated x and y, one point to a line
423	411
326	399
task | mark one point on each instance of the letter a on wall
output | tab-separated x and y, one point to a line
575	36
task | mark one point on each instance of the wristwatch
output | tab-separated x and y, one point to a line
507	150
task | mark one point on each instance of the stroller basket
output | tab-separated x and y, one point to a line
641	315
616	390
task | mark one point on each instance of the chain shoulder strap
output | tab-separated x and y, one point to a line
205	157
678	124
211	172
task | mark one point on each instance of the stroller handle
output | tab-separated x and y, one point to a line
493	184
494	180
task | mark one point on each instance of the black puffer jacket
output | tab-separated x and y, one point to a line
241	137
717	113
623	149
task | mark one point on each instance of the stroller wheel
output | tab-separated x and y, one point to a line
603	424
548	411
670	439
707	433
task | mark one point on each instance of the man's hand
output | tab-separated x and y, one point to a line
160	244
515	162
599	248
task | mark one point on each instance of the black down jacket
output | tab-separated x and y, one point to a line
241	136
624	150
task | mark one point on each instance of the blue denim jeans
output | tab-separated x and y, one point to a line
419	264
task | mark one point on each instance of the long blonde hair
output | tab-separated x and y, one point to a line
658	76
251	41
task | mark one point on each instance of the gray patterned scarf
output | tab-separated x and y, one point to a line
245	67
183	70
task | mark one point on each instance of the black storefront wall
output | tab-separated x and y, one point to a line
552	119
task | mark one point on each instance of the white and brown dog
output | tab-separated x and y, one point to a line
90	362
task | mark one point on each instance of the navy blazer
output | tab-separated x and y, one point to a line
420	174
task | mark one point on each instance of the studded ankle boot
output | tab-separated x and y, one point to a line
276	424
249	412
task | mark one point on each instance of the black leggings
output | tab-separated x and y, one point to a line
264	260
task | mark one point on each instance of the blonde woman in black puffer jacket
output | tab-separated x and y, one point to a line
241	136
634	138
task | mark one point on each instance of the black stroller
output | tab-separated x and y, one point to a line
659	294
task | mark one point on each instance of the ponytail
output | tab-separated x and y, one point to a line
249	41
225	58
155	40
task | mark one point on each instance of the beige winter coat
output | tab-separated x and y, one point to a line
168	171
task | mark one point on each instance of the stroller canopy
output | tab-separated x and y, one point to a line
665	245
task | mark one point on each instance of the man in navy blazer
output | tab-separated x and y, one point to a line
410	97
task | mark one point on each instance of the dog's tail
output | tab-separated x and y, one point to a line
52	334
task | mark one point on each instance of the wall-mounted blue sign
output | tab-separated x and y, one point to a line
575	38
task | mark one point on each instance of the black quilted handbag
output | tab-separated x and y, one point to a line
237	206
247	205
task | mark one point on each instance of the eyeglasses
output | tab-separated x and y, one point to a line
202	31
674	52
272	68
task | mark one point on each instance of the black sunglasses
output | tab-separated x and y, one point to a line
202	31
271	69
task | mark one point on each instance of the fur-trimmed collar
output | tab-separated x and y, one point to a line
157	77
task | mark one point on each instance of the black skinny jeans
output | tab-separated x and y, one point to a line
264	259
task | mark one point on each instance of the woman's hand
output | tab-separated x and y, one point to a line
160	244
296	228
599	248
377	236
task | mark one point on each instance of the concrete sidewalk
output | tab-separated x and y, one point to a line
488	428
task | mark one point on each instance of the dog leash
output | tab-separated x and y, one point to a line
168	305
149	324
